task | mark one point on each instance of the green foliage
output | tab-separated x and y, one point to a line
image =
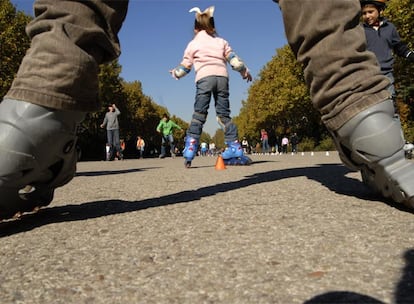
13	43
140	115
326	144
306	144
278	101
401	14
218	139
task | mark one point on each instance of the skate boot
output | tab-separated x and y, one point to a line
233	155
38	153
233	150
372	143
238	161
190	150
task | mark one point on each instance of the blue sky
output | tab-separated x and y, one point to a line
156	32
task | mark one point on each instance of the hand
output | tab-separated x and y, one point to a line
246	75
101	126
172	72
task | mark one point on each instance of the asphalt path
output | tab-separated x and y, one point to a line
286	229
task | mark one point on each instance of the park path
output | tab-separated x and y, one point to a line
287	229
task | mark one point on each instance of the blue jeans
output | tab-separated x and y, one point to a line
218	87
265	145
391	87
113	139
167	139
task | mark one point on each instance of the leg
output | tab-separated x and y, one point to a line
202	102
117	144
221	97
204	89
172	146
163	144
110	141
349	91
54	87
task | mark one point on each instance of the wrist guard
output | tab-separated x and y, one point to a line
181	71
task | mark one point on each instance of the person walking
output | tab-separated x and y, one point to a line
209	54
245	146
166	127
285	144
264	137
112	131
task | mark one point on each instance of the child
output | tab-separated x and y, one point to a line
140	146
209	54
383	39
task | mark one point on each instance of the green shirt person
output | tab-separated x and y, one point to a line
166	128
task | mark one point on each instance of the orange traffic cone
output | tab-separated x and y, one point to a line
220	163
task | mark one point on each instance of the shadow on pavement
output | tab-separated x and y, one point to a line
100	173
404	292
330	175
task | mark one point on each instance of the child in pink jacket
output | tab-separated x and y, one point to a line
209	55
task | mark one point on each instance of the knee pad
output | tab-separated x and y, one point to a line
180	71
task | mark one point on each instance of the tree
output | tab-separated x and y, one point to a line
401	13
13	43
279	102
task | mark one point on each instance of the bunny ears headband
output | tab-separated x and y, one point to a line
207	12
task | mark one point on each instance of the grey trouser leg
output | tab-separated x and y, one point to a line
69	39
325	35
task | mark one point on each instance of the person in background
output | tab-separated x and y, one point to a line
112	130
140	146
166	128
122	146
264	137
245	145
285	144
203	148
294	140
383	39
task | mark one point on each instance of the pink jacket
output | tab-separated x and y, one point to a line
207	54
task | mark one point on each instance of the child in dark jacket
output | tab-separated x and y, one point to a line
383	38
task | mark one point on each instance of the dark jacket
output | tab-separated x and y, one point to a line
383	42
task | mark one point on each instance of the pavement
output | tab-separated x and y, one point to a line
286	229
